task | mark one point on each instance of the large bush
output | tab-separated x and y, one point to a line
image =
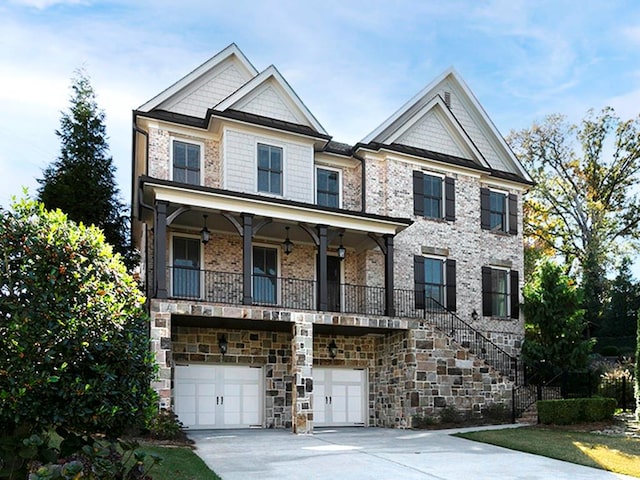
73	334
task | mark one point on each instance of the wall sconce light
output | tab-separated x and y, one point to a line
341	250
223	345
333	349
474	315
287	244
205	236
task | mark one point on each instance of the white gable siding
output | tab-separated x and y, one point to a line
209	94
430	134
479	139
240	167
269	103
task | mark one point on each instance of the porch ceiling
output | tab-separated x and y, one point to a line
210	200
231	323
273	326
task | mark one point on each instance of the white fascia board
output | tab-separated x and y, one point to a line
452	123
495	133
227	203
406	107
197	73
335	160
261	78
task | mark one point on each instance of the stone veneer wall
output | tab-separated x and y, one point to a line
421	371
412	370
270	350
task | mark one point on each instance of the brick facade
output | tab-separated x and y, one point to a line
412	367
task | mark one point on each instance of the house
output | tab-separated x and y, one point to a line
294	281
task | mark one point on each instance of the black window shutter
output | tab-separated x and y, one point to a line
515	290
451	284
485	206
418	193
450	199
513	214
486	292
418	278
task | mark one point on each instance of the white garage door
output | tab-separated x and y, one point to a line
339	397
217	396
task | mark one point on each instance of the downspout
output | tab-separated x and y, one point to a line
363	182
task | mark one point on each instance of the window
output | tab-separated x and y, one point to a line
499	211
435	282
186	267
269	169
500	292
433	196
328	187
186	162
265	275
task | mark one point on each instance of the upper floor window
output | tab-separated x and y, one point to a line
500	292
186	162
499	211
269	169
328	187
435	282
433	196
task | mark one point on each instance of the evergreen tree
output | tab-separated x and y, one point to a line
619	319
81	182
555	328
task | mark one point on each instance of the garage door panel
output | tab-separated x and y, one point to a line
339	396
218	396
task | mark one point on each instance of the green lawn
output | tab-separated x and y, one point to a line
615	454
178	463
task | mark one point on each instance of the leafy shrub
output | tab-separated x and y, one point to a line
421	422
97	460
617	383
496	413
609	351
74	352
576	410
451	415
164	425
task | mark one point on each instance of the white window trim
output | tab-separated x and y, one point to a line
443	262
173	139
202	269
443	199
315	183
271	143
506	208
278	250
508	270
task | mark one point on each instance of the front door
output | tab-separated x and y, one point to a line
333	284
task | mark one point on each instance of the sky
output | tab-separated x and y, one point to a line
352	62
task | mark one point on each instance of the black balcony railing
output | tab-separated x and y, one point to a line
225	287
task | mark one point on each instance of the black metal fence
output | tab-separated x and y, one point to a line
540	385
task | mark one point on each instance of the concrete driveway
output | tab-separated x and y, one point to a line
373	453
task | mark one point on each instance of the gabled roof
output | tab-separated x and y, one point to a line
493	144
255	86
231	52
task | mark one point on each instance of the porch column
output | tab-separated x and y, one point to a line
247	237
160	250
323	289
388	276
301	372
